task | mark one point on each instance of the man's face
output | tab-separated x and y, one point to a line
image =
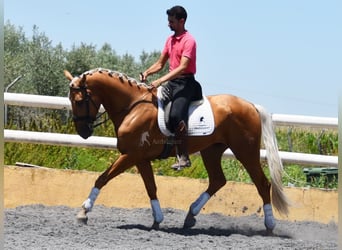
175	24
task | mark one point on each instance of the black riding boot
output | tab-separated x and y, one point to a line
181	142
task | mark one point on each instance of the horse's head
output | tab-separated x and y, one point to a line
84	106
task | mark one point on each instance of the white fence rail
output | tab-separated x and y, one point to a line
38	101
55	102
110	143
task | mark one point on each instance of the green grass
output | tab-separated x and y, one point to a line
98	160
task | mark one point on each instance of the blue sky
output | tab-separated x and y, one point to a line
284	55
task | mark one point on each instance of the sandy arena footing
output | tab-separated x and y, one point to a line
52	187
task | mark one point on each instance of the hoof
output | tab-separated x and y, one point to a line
269	232
82	217
155	226
190	221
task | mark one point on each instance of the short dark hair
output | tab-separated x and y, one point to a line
178	12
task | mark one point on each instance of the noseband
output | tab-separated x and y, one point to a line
87	99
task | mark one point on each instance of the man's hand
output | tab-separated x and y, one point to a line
143	77
150	87
156	83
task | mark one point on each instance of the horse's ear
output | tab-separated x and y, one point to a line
83	79
68	75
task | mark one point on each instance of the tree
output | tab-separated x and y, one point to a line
81	59
14	51
45	64
128	66
36	60
39	63
107	58
41	66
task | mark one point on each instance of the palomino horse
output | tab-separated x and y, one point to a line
132	107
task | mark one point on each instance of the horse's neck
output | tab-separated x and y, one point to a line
118	97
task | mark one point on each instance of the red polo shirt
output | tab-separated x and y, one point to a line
178	46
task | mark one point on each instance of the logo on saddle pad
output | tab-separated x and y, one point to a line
201	118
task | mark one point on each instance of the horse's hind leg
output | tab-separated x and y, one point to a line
251	161
211	157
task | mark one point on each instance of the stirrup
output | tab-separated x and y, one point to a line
181	163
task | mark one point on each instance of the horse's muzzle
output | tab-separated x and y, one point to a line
85	131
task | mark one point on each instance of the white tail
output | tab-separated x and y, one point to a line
279	199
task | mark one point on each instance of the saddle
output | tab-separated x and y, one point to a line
201	118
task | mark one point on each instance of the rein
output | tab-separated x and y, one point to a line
98	117
141	100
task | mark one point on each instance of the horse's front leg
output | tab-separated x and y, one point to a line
120	165
146	172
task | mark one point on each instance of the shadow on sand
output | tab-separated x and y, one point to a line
211	231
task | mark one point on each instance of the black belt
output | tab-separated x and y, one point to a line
186	76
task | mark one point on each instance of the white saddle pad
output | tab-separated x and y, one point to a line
201	118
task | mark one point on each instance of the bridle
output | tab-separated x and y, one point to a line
87	117
87	99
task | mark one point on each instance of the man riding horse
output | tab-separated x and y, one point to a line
180	50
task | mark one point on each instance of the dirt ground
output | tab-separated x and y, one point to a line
41	204
54	227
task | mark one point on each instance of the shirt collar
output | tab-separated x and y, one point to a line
180	36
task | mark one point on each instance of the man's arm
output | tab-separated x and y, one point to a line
156	67
174	73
